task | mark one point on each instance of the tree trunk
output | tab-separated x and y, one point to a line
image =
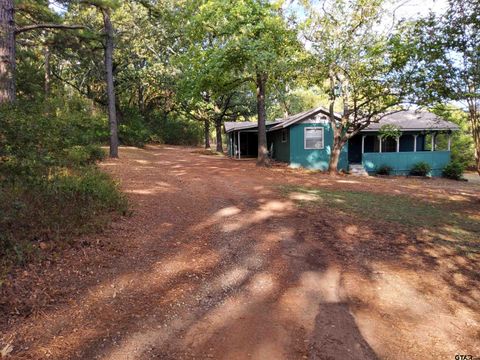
47	81
7	51
334	158
339	141
476	135
262	159
112	115
141	101
218	134
207	134
475	125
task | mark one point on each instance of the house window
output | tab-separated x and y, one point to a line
284	135
313	138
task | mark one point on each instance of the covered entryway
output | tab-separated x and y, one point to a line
355	150
244	144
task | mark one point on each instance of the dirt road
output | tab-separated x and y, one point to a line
216	262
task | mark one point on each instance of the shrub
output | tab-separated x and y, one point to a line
56	209
175	129
453	170
132	130
384	170
50	188
420	169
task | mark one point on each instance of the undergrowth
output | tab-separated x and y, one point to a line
51	190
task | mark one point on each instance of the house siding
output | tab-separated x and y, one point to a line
314	159
402	162
281	150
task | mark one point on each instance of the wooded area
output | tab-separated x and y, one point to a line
164	70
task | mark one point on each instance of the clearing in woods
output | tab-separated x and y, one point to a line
224	260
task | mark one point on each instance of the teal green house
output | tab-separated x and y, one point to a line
305	140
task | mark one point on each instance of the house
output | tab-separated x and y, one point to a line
306	139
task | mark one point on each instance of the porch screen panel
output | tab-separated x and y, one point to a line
313	138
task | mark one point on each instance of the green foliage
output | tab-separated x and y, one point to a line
83	155
442	52
294	101
384	170
54	210
177	130
389	131
462	145
133	130
420	169
50	188
454	170
228	44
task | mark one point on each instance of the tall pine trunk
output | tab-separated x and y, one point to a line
218	134
7	51
206	128
474	118
262	159
47	79
112	115
476	142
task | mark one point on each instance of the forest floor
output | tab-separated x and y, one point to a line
223	260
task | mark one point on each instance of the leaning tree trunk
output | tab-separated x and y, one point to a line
218	134
7	51
206	128
262	159
112	115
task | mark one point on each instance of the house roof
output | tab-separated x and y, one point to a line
413	120
244	125
278	123
300	116
406	120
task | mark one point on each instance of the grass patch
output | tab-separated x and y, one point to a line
441	222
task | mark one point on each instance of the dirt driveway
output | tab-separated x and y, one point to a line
219	261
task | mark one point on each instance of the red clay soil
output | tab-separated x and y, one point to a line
216	262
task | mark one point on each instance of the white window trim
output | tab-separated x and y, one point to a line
305	137
285	131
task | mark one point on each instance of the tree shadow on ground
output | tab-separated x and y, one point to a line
231	269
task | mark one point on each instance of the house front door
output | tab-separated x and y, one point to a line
355	150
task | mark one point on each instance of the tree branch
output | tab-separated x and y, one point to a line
47	26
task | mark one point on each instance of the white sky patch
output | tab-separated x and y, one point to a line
403	9
414	9
58	8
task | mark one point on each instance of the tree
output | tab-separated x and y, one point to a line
208	91
8	32
445	51
7	51
112	112
363	80
255	44
105	8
